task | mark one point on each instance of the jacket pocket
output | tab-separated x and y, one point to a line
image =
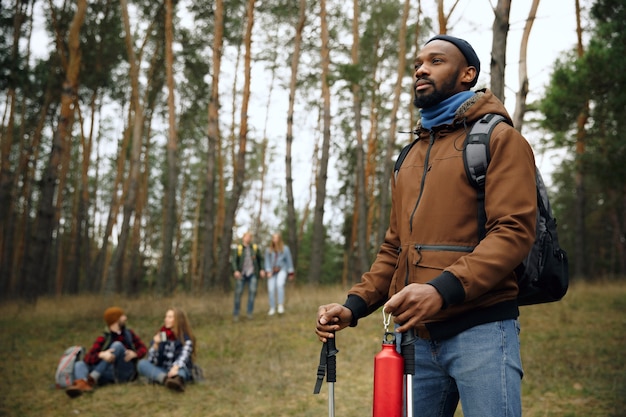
428	261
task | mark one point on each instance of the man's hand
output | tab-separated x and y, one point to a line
237	275
413	304
129	355
107	355
330	319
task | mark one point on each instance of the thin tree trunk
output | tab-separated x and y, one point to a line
167	275
213	136
23	226
240	165
361	209
500	32
258	219
520	101
292	232
7	178
113	276
318	238
580	265
442	17
393	128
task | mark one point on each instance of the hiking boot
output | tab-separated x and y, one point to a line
79	386
175	383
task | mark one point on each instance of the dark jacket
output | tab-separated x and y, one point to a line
240	253
433	226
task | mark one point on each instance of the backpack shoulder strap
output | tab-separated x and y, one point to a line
476	157
401	157
108	339
129	338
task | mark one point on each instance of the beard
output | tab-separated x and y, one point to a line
439	94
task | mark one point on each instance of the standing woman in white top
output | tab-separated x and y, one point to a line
278	268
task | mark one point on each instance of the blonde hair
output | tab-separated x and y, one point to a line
182	327
277	245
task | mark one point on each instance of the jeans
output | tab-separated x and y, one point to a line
251	281
276	286
480	366
105	372
156	373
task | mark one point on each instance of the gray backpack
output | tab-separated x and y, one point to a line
64	376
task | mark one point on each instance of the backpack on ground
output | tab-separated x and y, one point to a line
543	276
64	376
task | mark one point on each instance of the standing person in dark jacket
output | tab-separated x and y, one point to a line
171	353
247	263
455	292
112	358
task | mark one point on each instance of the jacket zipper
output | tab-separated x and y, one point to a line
426	162
441	248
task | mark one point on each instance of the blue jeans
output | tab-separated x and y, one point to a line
481	366
105	372
156	373
251	282
276	287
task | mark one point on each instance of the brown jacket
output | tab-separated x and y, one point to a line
433	227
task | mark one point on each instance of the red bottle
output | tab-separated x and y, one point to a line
388	379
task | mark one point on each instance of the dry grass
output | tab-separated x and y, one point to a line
573	352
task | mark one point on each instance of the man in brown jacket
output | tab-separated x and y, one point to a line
456	292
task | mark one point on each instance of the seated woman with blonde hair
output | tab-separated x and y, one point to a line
171	353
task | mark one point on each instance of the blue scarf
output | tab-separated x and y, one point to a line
443	113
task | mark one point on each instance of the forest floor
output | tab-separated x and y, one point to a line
573	352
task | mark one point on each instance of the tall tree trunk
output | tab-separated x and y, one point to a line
112	284
292	227
167	275
361	210
391	141
213	137
500	32
240	163
580	265
27	168
522	93
78	220
7	141
319	235
36	269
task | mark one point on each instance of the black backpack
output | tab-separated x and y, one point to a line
543	276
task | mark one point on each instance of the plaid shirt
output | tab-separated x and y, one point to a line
91	358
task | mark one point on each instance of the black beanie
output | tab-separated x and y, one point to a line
465	48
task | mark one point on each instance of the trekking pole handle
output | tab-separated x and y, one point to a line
331	365
407	347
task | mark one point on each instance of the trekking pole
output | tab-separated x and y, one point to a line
407	347
328	367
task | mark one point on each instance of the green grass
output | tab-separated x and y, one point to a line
574	356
